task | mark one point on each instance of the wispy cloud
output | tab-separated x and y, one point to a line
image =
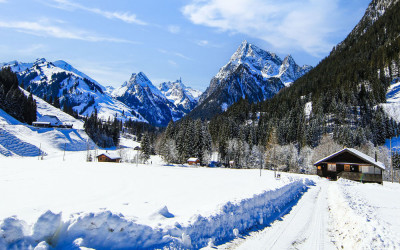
3	1
291	24
32	49
42	28
173	53
202	43
119	15
173	63
174	29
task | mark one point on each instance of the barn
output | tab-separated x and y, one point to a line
108	157
351	164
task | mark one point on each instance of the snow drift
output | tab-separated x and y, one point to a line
105	229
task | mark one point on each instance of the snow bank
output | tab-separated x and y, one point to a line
103	230
237	218
362	215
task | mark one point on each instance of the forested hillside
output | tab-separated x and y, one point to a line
339	98
13	100
341	93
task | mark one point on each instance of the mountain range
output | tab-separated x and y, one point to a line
251	73
138	99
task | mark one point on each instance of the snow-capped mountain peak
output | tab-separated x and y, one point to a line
251	72
51	80
183	97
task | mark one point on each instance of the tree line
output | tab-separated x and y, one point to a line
13	100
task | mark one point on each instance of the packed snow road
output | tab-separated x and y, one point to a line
305	227
333	215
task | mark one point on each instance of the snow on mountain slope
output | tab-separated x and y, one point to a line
28	141
392	105
252	73
264	63
67	67
18	139
6	119
44	108
183	97
73	88
140	94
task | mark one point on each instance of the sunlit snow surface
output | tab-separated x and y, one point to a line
160	202
392	105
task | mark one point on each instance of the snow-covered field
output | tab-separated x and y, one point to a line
72	204
75	203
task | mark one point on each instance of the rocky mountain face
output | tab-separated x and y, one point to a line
251	73
375	10
59	80
140	94
183	97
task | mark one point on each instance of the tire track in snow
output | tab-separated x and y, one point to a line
360	227
304	227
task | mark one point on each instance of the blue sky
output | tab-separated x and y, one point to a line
168	39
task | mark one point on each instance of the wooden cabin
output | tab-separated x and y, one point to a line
193	161
50	121
107	157
351	164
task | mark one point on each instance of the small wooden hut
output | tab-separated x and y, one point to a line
108	157
351	164
193	161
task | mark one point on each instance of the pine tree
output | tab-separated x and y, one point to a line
146	147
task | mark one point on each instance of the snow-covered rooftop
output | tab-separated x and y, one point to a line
110	155
356	153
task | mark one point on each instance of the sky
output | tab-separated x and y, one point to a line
169	39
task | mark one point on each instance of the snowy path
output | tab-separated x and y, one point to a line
305	227
334	215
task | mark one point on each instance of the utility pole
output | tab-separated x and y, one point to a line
65	146
40	149
391	161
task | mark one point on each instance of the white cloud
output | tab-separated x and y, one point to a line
42	28
290	24
3	1
174	29
202	43
177	54
172	63
122	16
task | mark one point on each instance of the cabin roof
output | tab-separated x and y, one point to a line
110	155
45	123
356	153
193	159
50	116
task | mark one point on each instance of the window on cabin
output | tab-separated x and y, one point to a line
332	167
347	167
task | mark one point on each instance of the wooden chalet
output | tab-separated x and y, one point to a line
50	121
193	161
351	164
108	157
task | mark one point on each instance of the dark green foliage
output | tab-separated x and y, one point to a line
146	147
92	85
191	138
13	100
104	134
344	89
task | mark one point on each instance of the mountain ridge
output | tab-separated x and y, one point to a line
251	73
